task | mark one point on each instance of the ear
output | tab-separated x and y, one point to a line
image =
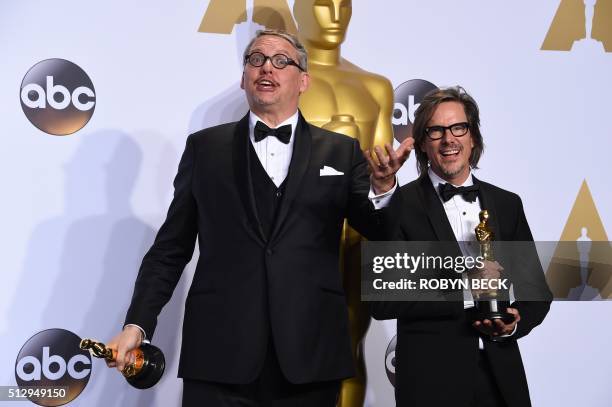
304	82
242	81
472	141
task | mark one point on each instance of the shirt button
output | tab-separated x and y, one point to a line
463	213
272	178
377	201
272	154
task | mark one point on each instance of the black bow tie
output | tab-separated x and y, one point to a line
447	191
283	133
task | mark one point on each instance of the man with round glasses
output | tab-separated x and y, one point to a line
279	61
265	319
439	345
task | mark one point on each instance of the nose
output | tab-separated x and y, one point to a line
335	12
267	66
447	136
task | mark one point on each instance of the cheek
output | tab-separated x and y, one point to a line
346	16
428	148
470	148
322	14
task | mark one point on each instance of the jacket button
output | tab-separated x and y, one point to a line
269	252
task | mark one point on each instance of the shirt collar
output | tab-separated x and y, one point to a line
436	180
253	119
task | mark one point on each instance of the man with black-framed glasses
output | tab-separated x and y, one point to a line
445	356
266	318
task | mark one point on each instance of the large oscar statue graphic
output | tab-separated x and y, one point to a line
346	99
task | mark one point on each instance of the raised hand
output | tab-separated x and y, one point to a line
382	173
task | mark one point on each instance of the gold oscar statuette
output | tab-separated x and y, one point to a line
146	370
489	303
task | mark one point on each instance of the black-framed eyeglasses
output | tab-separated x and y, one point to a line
279	61
457	130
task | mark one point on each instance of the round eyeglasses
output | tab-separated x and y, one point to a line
279	61
437	132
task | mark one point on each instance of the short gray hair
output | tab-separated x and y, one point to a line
292	39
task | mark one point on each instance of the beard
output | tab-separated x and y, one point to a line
453	170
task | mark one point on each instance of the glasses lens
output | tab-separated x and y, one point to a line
459	129
280	61
257	59
435	132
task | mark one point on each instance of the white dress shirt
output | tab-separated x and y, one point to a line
274	155
463	218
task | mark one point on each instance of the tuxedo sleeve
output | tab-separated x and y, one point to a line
163	264
532	312
361	214
393	230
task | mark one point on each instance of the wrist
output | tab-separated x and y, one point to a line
382	186
135	329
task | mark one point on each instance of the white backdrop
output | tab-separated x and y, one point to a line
78	212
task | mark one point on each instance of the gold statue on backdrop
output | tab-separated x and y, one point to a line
222	16
346	99
581	23
581	265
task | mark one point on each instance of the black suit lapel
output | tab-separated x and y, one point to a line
441	226
242	177
299	164
435	210
487	201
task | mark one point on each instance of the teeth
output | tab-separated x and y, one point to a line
449	152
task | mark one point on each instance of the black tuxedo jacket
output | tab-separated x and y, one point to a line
247	286
437	348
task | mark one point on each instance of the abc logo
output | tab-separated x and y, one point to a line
57	97
408	96
52	358
390	360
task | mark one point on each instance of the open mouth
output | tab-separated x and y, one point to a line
450	152
266	85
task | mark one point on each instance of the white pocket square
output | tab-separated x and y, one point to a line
329	171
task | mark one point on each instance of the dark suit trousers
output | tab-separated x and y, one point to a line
487	392
270	389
